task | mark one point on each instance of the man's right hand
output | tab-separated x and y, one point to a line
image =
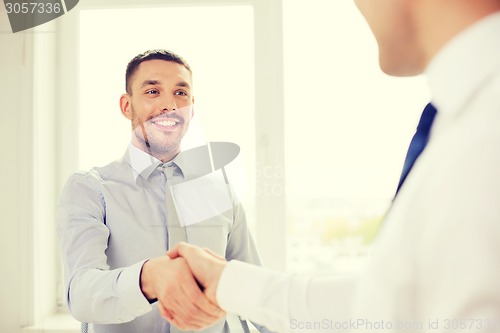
181	301
207	267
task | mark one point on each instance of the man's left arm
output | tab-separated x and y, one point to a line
240	243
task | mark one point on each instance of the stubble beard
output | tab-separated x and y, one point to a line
147	141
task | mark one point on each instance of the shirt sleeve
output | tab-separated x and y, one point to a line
241	245
283	302
94	292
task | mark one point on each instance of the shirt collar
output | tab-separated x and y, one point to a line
459	68
144	164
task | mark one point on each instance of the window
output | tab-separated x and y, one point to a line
347	128
216	41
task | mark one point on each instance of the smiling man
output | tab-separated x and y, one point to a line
116	222
159	103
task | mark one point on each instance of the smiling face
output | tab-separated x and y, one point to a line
160	107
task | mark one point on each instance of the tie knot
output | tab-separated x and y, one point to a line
169	169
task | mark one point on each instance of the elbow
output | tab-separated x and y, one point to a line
97	310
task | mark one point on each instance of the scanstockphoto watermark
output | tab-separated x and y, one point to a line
358	324
28	14
432	324
269	180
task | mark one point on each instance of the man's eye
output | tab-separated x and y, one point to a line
152	92
181	93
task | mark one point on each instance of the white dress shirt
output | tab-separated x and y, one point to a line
435	265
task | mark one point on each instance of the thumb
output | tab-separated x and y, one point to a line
177	250
209	251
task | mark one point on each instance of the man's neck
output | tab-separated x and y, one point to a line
162	156
439	21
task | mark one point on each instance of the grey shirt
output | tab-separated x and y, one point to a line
112	219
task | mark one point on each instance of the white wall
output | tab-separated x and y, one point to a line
16	70
27	173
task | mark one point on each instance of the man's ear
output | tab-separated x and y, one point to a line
192	107
126	106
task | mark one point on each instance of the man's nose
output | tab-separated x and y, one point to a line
168	104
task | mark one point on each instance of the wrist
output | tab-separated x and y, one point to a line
146	280
218	269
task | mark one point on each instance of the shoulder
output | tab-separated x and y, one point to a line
94	178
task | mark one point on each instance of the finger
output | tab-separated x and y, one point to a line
178	319
187	304
173	308
199	300
186	326
213	253
179	323
165	313
191	320
196	301
201	265
180	312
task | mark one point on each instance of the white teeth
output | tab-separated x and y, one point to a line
165	123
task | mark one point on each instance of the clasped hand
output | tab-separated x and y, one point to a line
185	284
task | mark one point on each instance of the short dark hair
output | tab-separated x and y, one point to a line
151	55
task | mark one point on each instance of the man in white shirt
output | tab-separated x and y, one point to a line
435	265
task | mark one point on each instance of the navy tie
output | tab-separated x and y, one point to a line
418	142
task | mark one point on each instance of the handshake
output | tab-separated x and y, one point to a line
185	284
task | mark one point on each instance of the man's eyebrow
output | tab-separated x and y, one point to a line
157	83
150	83
183	84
